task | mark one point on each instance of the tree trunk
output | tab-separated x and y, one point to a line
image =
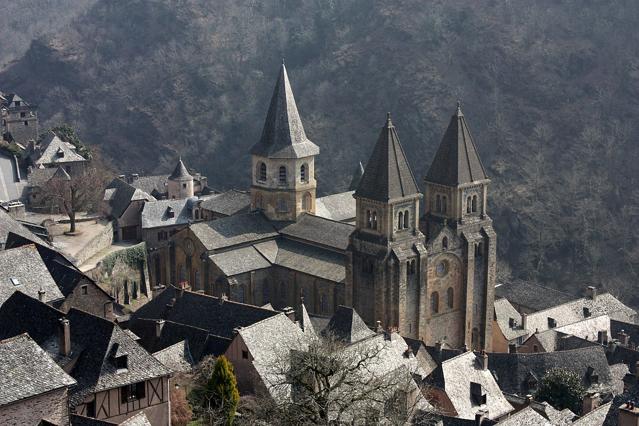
72	221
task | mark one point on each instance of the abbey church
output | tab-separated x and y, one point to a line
430	276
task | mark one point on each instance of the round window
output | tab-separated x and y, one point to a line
442	268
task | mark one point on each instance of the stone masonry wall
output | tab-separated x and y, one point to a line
51	406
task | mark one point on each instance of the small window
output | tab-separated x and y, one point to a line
26	123
85	289
374	219
17	103
477	394
400	220
445	243
406	220
23	114
90	411
434	302
304	173
122	362
369	219
474	204
468	204
133	392
535	348
197	214
261	172
552	323
282	175
450	297
184	186
586	312
245	355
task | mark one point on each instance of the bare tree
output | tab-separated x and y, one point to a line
330	382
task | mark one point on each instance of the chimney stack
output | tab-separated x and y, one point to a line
591	401
524	321
159	324
602	337
379	328
289	312
480	416
483	360
628	415
64	337
41	294
591	292
529	400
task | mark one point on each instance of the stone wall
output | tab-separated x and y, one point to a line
101	241
51	406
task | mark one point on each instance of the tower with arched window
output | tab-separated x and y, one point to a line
460	241
283	173
386	251
180	182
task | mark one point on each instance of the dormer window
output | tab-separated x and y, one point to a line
122	362
586	312
170	212
59	153
477	394
552	323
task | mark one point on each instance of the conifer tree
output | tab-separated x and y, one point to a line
217	399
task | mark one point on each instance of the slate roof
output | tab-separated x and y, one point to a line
388	174
10	225
233	231
176	358
151	184
530	295
311	260
22	269
526	417
320	231
40	322
458	373
215	315
457	161
512	370
347	325
504	312
39	177
155	213
239	261
283	135
228	203
180	171
357	177
55	151
554	340
340	207
26	370
121	198
596	417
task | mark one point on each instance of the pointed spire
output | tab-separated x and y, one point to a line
357	177
283	135
388	174
180	171
457	160
305	320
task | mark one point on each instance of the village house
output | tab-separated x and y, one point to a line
19	119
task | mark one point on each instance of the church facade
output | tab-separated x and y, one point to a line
419	262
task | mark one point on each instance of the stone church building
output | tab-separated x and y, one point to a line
430	275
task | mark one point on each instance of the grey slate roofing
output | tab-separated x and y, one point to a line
554	340
55	151
512	370
357	177
10	225
526	417
155	213
180	171
228	203
530	295
215	315
176	358
22	269
456	161
311	260
388	174
154	184
39	177
12	181
121	197
233	231
283	135
239	261
504	312
596	417
340	207
320	231
26	370
347	325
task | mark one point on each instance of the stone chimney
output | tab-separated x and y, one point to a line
289	312
41	294
379	328
623	338
159	324
602	337
628	415
134	177
529	400
64	337
591	401
512	348
483	360
591	292
524	321
480	417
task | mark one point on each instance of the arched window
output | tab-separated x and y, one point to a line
474	203
400	220
307	202
438	204
304	173
445	243
261	172
468	203
444	204
450	297
197	214
406	219
434	302
282	175
369	220
374	219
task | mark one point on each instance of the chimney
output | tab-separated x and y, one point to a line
41	294
159	324
64	337
483	360
623	338
480	416
123	177
524	321
591	292
134	177
512	348
602	337
379	328
289	312
511	322
591	401
438	346
628	415
529	400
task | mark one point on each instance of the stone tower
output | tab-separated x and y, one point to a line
460	276
180	183
386	254
283	161
19	119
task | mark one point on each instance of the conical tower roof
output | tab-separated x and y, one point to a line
357	177
283	135
456	161
388	174
180	171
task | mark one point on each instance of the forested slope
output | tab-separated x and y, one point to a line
550	90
